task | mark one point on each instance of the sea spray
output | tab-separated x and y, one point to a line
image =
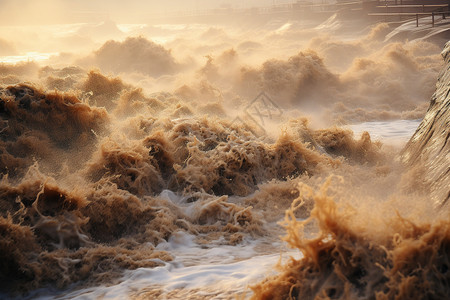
349	259
92	145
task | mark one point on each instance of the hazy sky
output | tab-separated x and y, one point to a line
16	12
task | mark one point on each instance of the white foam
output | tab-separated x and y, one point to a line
235	277
220	272
171	196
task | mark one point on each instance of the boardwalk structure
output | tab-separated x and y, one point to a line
319	10
401	10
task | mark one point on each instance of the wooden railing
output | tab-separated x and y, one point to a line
412	10
417	15
423	7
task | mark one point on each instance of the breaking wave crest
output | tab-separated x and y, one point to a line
348	259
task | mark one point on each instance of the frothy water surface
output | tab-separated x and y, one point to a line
395	133
125	173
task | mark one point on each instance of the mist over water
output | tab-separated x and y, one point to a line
144	157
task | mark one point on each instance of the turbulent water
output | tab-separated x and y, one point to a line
139	163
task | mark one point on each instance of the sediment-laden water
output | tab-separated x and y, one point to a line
221	162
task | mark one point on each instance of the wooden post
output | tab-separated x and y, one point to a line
432	19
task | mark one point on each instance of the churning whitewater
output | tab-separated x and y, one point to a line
178	161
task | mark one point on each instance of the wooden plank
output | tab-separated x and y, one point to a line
410	13
412	6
